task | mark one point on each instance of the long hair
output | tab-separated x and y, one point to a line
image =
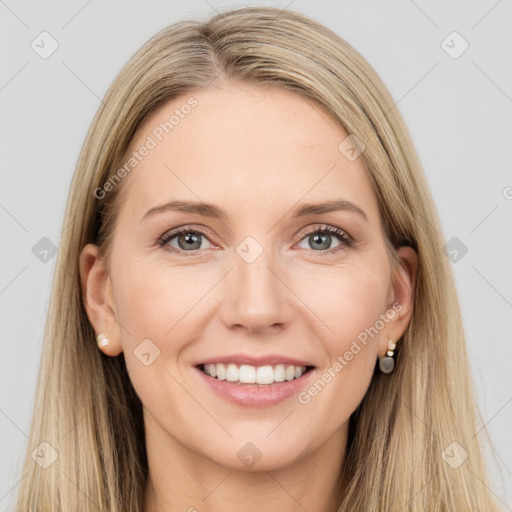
408	425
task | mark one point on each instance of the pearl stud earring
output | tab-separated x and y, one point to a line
102	340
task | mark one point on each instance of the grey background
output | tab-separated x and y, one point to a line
457	110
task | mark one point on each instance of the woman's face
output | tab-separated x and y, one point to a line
258	281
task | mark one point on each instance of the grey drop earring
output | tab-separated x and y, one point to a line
387	362
102	340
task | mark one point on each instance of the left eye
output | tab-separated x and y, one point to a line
187	240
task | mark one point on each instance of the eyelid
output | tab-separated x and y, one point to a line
179	229
326	228
346	240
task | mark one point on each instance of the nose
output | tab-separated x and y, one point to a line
256	297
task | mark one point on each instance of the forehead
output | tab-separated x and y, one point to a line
244	146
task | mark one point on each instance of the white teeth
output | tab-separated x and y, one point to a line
232	373
289	374
220	370
247	374
265	375
279	373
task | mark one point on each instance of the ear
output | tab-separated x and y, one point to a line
98	297
403	286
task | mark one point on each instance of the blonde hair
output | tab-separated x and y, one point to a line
86	407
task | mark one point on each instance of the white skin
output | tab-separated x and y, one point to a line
257	153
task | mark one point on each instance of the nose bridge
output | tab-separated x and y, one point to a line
255	296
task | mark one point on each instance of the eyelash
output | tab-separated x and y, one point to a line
343	237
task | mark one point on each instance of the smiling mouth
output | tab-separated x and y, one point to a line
245	374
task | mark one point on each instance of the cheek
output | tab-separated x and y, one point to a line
155	302
170	305
158	308
352	309
349	301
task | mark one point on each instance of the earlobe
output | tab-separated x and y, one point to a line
98	298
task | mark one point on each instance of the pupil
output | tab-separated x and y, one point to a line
190	239
323	238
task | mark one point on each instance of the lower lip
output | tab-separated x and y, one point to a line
253	395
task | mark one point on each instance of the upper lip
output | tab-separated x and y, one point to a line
267	360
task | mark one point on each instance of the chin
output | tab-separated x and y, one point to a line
251	455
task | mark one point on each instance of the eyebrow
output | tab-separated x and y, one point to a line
210	210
